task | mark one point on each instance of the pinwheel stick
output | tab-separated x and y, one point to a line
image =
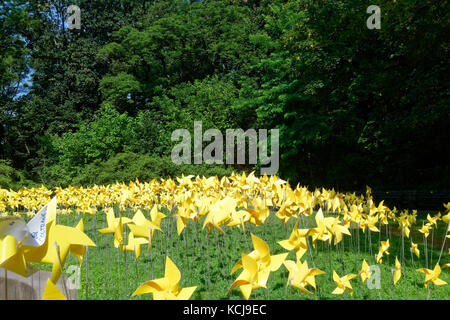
426	251
150	249
125	266
136	270
245	237
443	242
118	274
6	284
87	272
412	263
431	251
403	260
370	243
209	275
61	268
109	259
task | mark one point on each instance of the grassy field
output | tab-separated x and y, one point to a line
108	273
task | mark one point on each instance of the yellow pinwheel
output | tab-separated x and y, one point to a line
286	211
239	218
370	223
259	213
76	249
113	222
433	276
383	250
301	276
51	292
415	249
403	224
365	271
447	206
56	247
262	255
446	218
143	228
29	235
134	244
433	220
296	241
12	256
156	216
219	213
183	215
321	231
343	283
397	271
338	230
425	230
250	278
118	235
166	288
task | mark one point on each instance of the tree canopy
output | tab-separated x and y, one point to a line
354	106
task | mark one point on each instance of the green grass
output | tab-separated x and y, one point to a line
105	275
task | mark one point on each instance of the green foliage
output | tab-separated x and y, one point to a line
125	167
11	178
188	42
354	106
119	89
340	93
99	139
208	100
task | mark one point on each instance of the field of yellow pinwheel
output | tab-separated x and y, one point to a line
239	237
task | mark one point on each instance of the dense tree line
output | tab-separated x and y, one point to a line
354	106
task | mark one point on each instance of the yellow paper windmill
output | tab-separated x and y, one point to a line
156	216
301	276
29	235
287	210
397	271
134	244
76	249
338	230
51	292
183	215
365	273
260	211
12	256
343	283
446	218
118	235
415	249
113	222
251	277
383	250
425	230
433	276
219	213
370	223
403	224
262	255
321	231
56	247
434	220
141	227
296	241
166	288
